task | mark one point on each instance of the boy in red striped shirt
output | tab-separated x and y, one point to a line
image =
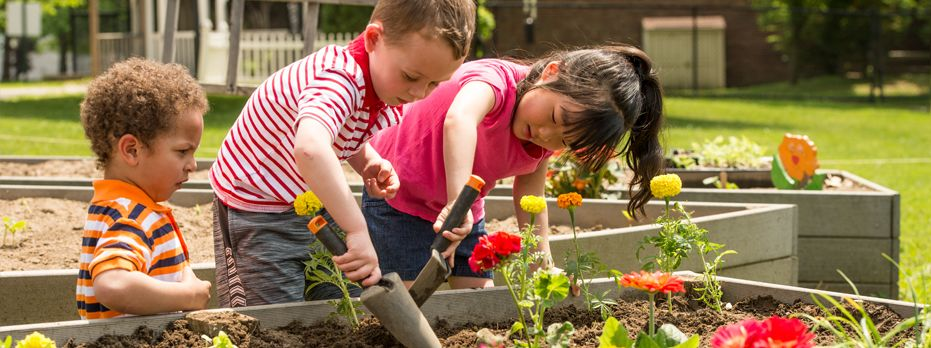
144	120
300	124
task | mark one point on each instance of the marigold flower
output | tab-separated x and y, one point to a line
505	243
483	256
571	199
665	186
579	184
653	282
532	204
35	340
307	203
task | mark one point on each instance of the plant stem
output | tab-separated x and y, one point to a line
667	206
652	318
520	310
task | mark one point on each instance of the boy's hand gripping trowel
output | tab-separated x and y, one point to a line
388	300
435	272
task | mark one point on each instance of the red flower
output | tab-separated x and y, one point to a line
653	282
737	335
505	243
785	333
775	332
483	256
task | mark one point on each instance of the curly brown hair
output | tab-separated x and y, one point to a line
139	97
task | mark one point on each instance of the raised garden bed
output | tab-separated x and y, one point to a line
767	249
846	228
458	314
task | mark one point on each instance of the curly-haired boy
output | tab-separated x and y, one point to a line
144	121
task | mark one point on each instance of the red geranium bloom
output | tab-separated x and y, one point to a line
737	335
483	256
505	243
785	333
653	282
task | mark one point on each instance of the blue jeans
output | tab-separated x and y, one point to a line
403	241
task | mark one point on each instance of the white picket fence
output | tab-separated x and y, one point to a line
264	52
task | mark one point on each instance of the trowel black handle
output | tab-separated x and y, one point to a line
325	235
460	208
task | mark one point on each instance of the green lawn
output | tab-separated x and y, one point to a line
50	83
845	133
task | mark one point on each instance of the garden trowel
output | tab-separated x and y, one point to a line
388	300
435	272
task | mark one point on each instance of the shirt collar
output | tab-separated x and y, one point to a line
107	190
370	102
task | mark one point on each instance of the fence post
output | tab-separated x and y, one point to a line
171	25
311	12
694	50
235	31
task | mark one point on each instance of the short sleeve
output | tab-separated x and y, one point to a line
495	75
330	98
124	245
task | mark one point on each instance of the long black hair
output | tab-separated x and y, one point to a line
618	91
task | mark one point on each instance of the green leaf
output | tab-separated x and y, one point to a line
516	328
7	343
559	335
525	304
781	179
614	335
645	341
692	342
551	287
817	182
672	334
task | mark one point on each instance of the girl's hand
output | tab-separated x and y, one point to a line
457	234
381	181
360	262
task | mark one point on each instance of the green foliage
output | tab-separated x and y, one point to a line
677	237
7	343
856	328
559	335
614	335
222	340
534	292
566	175
719	152
710	289
484	28
344	18
11	226
720	182
320	270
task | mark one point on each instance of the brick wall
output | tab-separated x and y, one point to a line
560	24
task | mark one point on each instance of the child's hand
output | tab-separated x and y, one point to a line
457	234
200	290
360	262
381	181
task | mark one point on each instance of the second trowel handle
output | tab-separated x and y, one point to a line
326	236
457	213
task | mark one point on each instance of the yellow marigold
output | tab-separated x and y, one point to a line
307	203
35	340
571	199
665	186
532	204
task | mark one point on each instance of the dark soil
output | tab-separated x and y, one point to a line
689	316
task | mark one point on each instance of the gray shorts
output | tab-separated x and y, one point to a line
260	258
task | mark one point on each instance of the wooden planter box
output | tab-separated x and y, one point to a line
456	307
764	235
845	230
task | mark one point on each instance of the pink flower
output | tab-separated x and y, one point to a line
774	332
737	335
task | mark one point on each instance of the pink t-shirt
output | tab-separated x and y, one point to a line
415	147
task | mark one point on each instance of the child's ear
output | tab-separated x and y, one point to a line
129	149
550	72
373	32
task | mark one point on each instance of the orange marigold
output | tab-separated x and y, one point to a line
571	199
653	282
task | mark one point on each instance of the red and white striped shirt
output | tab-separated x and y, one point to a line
255	169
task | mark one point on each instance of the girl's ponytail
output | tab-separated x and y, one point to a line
644	151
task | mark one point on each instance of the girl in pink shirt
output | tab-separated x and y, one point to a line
498	119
